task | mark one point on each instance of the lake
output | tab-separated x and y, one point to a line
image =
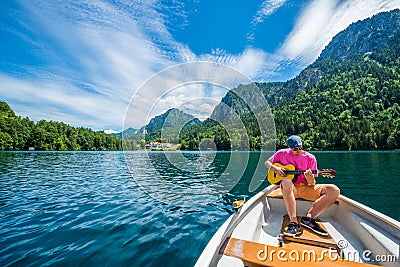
149	209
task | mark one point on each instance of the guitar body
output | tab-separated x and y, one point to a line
274	178
291	173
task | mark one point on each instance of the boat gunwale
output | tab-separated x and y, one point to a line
234	220
246	208
374	213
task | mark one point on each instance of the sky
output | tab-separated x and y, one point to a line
82	62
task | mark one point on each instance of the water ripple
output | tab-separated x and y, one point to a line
65	208
86	208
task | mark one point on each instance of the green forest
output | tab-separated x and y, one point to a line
18	133
352	108
355	106
350	103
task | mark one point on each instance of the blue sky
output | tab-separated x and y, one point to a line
81	62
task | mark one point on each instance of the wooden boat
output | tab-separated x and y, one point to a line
358	236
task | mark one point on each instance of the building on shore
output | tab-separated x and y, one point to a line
158	145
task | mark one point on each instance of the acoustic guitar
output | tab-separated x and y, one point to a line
291	173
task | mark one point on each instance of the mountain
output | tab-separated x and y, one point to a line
172	118
349	98
373	34
127	132
164	127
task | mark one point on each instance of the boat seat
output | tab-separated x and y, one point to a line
277	193
257	254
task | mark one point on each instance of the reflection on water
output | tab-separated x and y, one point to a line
187	177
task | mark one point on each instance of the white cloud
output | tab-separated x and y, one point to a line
182	86
321	20
59	101
96	55
197	99
250	62
201	108
110	131
266	9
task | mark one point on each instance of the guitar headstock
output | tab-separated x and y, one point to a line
327	173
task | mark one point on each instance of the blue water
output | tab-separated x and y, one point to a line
95	209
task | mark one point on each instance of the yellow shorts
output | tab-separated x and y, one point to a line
308	192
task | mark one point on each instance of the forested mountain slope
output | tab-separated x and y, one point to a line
347	99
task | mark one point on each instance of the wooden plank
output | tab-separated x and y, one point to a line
311	242
255	254
308	236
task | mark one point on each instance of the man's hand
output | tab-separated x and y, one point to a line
308	174
278	170
309	177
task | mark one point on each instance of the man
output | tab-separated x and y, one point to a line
323	195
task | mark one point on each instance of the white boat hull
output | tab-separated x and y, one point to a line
361	233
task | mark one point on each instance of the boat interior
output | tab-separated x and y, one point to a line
358	236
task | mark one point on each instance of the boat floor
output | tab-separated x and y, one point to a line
269	234
307	237
277	221
272	230
299	248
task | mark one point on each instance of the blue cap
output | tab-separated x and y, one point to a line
294	141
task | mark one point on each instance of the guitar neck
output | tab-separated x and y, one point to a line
300	172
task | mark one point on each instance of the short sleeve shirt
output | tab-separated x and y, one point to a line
304	161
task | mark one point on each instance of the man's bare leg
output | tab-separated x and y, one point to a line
288	191
329	194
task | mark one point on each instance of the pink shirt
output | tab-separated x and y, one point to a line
304	161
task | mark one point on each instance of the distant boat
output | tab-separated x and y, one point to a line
358	236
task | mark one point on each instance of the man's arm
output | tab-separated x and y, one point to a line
276	169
